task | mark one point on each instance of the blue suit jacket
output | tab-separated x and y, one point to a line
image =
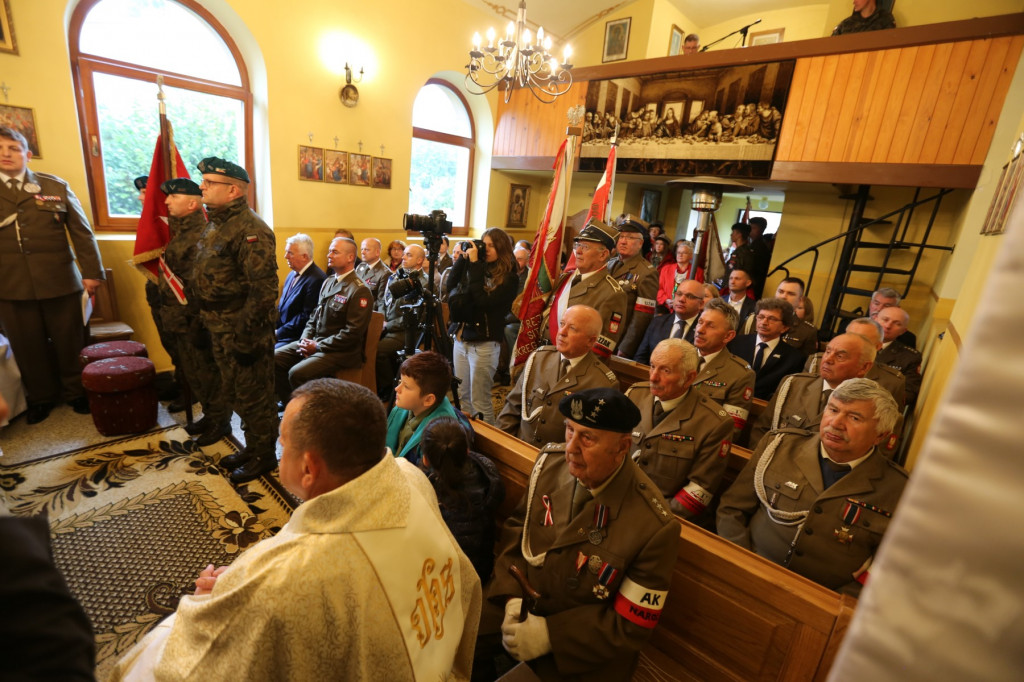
657	331
782	362
297	303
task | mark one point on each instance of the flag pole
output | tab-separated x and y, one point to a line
607	217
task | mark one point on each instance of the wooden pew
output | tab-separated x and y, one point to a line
367	374
730	615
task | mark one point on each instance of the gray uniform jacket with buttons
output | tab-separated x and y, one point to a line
690	445
544	423
844	523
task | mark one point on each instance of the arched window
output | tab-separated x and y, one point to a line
443	140
118	49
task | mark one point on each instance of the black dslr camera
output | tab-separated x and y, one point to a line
405	284
480	247
435	223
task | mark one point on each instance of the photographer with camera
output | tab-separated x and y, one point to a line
404	287
481	288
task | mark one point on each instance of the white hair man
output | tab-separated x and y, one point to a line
301	291
683	439
819	503
895	353
637	277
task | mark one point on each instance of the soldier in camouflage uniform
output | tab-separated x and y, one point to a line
637	277
236	279
181	321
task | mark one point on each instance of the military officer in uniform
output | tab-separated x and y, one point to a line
896	354
683	439
721	376
637	277
335	335
181	320
40	283
236	279
372	270
552	372
594	537
889	378
800	398
819	503
591	285
141	183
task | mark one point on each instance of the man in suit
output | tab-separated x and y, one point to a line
301	290
687	303
683	439
372	270
820	503
335	335
721	376
552	372
801	398
888	298
803	335
739	282
637	277
895	353
590	284
40	283
770	358
593	541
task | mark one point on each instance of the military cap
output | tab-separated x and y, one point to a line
140	182
627	222
597	232
180	186
601	408
214	165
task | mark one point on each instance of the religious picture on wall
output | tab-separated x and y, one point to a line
23	120
675	41
649	205
518	202
616	40
722	121
7	41
311	163
381	173
336	166
359	169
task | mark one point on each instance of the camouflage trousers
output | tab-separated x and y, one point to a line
203	377
167	339
247	387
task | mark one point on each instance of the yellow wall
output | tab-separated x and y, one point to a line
664	15
800	23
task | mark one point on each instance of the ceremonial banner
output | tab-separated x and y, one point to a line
152	234
601	206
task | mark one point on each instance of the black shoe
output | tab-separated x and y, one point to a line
254	468
232	462
197	427
502	379
80	404
171	392
37	413
178	404
213	434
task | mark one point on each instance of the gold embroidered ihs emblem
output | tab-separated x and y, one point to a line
436	592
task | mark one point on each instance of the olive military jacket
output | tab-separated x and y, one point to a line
729	381
180	256
340	320
601	292
639	279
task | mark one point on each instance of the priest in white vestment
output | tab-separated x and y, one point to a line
365	582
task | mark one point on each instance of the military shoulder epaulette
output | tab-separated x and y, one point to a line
640	384
712	405
897	467
793	431
891	369
740	361
611	376
553	447
654	499
547	349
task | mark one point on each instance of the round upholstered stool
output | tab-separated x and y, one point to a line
122	397
112	349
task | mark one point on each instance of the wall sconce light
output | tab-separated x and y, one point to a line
349	93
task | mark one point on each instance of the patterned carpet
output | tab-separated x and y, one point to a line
133	521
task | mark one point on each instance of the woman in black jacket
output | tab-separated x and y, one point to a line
481	289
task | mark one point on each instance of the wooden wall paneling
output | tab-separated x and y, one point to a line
911	108
820	101
848	108
998	100
896	100
978	110
806	109
944	104
929	96
797	91
860	105
834	107
877	102
965	94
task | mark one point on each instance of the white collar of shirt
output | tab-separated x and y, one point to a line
669	405
20	177
886	344
771	345
738	300
584	276
373	264
301	272
853	465
597	491
825	386
710	357
338	278
573	361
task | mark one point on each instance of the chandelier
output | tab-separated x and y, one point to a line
518	59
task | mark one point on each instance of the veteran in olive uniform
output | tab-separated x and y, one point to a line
42	278
181	319
236	281
637	277
373	271
896	354
553	372
683	439
594	537
335	336
721	376
590	284
820	503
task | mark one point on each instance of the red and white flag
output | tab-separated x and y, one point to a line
601	206
746	212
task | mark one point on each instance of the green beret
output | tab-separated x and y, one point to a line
216	166
601	408
181	186
140	182
598	232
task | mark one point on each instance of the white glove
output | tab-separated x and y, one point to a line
527	640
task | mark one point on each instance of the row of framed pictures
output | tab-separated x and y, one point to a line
317	164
